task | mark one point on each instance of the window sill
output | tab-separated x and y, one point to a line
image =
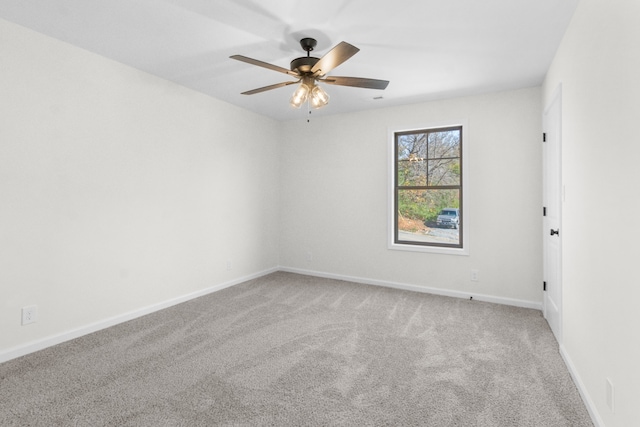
429	249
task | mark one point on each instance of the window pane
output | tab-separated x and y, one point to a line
418	212
411	173
444	172
444	144
412	147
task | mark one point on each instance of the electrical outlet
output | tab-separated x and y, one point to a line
229	264
609	388
29	314
475	275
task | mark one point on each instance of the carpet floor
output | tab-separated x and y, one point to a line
287	349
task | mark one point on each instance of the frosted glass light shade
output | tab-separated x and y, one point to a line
319	98
299	96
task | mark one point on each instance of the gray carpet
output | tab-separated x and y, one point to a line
287	349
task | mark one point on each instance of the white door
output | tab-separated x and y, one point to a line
552	201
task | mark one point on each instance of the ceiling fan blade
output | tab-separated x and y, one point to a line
266	88
336	56
356	82
263	64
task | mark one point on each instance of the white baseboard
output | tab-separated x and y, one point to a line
591	407
424	289
41	344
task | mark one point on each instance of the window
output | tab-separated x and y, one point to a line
427	189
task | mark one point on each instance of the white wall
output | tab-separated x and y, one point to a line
119	190
334	197
598	64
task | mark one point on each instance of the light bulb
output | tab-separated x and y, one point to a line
319	98
299	96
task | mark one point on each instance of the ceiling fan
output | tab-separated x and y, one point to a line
309	71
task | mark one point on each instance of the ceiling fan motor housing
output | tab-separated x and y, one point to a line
304	64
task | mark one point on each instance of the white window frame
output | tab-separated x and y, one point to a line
466	212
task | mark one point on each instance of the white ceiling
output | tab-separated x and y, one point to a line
427	49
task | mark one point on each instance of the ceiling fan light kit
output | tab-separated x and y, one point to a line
310	71
309	91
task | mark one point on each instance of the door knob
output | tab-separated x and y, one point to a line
556	232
